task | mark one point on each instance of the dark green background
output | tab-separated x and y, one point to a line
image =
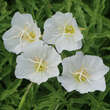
15	94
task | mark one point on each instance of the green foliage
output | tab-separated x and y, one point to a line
93	16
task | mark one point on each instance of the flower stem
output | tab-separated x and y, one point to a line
24	96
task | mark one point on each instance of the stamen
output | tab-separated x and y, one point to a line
31	60
69	29
81	75
39	64
21	35
26	34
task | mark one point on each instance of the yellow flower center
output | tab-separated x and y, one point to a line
40	65
69	29
81	75
28	35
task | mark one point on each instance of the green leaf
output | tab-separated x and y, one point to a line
10	90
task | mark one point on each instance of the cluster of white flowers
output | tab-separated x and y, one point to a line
37	61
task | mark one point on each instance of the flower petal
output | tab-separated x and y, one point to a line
53	58
37	77
11	40
99	84
21	19
51	31
95	66
67	44
24	67
67	82
36	49
73	63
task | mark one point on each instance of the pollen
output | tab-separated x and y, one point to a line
28	35
40	65
69	29
81	75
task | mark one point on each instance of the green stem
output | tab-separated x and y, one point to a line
24	96
56	106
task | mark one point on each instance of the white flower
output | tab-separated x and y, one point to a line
23	32
62	30
37	63
83	73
